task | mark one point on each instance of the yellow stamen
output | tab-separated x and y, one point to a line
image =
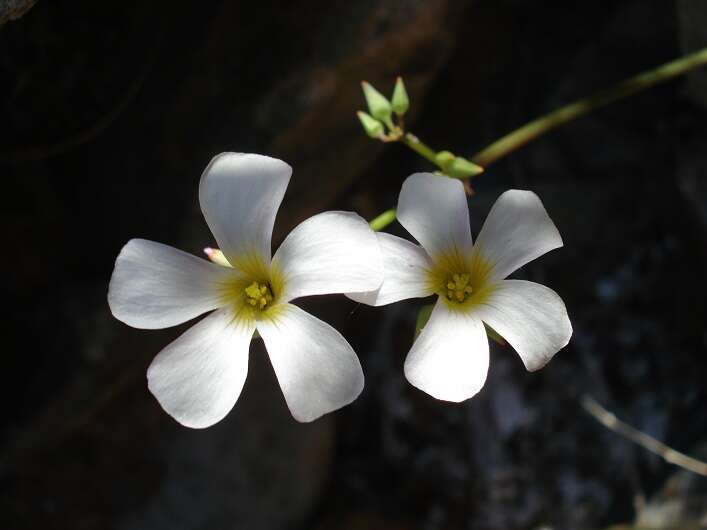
258	294
459	287
462	281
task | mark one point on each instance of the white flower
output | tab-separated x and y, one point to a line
449	360
198	377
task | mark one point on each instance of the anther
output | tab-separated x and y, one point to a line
258	294
458	288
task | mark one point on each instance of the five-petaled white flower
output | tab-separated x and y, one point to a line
198	377
450	358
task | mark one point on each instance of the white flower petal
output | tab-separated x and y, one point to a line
531	317
332	252
516	231
197	378
434	210
157	286
317	369
240	195
450	358
404	267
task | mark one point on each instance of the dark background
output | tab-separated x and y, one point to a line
109	111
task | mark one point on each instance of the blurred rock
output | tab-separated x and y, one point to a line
14	9
103	454
90	447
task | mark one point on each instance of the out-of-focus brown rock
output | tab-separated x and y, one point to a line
102	454
324	142
14	9
304	112
96	451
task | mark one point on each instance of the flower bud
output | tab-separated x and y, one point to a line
462	168
373	127
400	101
378	104
444	159
216	256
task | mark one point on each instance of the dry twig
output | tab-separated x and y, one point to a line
670	455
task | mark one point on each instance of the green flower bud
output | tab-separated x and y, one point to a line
444	159
400	101
373	127
378	104
462	168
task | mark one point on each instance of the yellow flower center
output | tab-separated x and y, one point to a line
461	281
254	291
258	294
458	287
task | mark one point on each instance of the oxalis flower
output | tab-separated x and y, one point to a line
450	358
198	377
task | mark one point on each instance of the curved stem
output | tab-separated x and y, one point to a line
627	87
544	124
422	149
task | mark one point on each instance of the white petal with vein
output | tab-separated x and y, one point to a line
157	286
405	267
332	252
516	231
450	358
434	210
317	369
240	195
530	317
197	378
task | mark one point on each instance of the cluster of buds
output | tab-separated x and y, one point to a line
384	122
381	111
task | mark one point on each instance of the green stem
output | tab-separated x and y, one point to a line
540	126
383	220
422	149
544	124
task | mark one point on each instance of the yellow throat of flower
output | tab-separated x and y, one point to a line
461	281
253	291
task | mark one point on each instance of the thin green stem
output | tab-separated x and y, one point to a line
422	149
540	126
544	124
383	220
